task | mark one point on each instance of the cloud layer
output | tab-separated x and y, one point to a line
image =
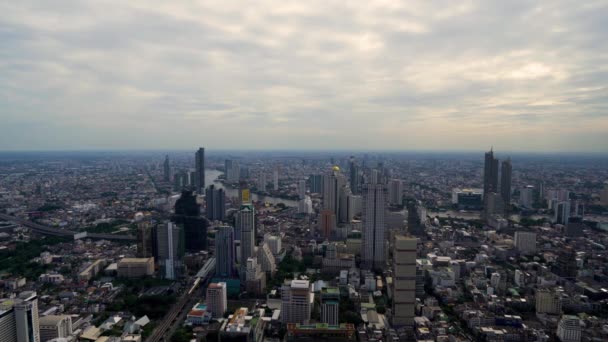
518	75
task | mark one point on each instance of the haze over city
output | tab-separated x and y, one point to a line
373	75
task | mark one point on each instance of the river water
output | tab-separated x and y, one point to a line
211	178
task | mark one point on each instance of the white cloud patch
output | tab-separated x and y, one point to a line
314	74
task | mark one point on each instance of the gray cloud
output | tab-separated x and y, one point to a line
317	74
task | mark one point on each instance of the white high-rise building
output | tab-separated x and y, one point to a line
525	242
217	302
266	259
296	302
404	281
274	242
373	248
395	192
569	329
305	205
245	222
19	320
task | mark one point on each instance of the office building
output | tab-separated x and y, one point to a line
199	163
395	192
262	182
135	267
490	174
562	212
225	253
330	305
167	170
245	227
526	196
232	171
506	171
19	321
548	302
373	252
569	329
274	243
316	184
354	177
327	223
275	179
55	326
345	208
525	242
146	240
188	215
493	205
217	301
255	279
416	218
170	247
296	302
404	280
266	259
332	184
215	199
180	181
301	188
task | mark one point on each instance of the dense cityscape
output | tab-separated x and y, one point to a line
271	246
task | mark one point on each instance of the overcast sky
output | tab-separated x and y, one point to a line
411	75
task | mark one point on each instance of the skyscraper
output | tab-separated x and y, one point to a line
332	184
19	318
188	215
146	242
490	175
373	253
354	177
275	178
416	218
327	223
225	254
395	192
301	188
330	305
199	160
215	199
295	302
404	281
232	171
167	170
262	181
245	222
170	246
217	302
505	184
562	212
316	184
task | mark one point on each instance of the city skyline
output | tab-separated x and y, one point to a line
413	76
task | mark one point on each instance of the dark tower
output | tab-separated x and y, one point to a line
490	175
188	215
505	184
199	160
216	203
167	170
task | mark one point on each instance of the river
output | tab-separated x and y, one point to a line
211	178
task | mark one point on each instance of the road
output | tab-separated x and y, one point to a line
41	229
